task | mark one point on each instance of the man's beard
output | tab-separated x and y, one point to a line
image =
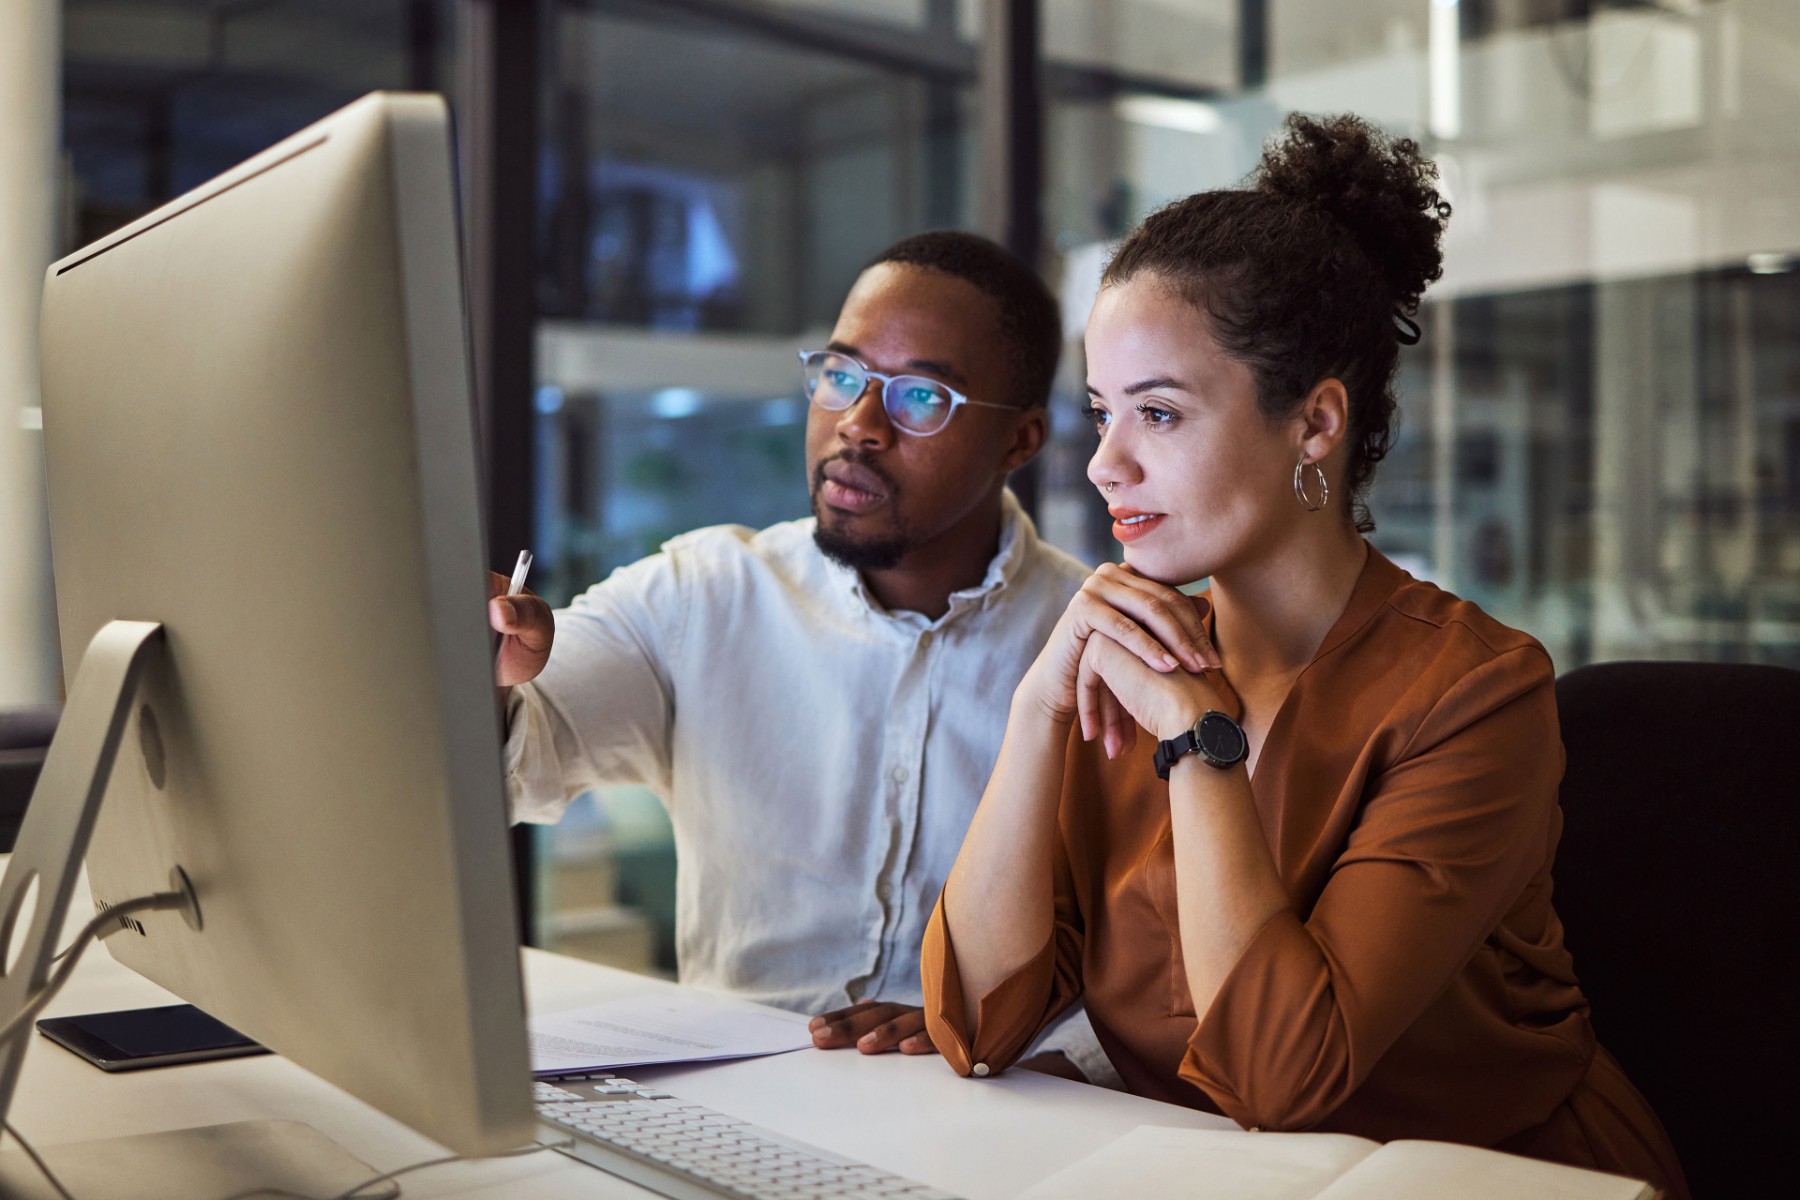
859	554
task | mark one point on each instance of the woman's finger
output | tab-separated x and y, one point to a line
1108	669
1124	728
1146	699
1088	686
1165	612
1109	721
1098	705
1092	690
1098	616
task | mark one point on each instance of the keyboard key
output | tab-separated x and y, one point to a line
693	1143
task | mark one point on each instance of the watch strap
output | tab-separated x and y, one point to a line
1170	751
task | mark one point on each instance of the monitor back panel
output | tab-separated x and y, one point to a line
259	433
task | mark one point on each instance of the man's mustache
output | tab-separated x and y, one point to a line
862	459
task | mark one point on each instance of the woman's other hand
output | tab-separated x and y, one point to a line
1116	693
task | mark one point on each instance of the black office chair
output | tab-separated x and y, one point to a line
1676	881
24	739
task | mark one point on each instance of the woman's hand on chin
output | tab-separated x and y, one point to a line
1155	625
1116	693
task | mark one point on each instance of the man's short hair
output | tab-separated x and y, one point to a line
1030	319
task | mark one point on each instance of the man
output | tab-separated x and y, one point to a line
819	704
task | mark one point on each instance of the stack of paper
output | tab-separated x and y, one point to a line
1152	1162
669	1027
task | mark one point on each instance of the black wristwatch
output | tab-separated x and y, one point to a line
1215	737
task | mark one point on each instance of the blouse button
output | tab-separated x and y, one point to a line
980	1069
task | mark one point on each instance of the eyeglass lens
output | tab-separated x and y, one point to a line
914	403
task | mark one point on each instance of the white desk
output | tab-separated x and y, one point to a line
978	1138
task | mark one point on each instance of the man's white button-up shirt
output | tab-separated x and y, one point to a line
820	757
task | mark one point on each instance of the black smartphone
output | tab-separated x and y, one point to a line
148	1037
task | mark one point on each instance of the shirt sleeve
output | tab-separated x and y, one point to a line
1018	1008
603	710
1449	837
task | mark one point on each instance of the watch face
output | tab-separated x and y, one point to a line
1220	738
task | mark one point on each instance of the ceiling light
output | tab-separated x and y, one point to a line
1168	112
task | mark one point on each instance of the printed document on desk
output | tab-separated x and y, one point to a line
667	1027
1153	1163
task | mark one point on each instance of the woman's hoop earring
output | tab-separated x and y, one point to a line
1300	486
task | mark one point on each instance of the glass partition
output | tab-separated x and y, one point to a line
161	95
712	187
1600	424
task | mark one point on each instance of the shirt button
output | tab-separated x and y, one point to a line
885	890
980	1069
899	774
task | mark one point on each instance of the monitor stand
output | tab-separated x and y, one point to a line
183	1164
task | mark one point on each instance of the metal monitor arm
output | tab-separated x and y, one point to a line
214	1160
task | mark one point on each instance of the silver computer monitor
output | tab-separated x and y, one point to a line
259	433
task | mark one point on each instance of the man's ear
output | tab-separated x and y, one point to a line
1030	429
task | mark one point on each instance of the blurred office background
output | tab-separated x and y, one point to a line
1602	423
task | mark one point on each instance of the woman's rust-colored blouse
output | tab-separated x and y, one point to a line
1418	987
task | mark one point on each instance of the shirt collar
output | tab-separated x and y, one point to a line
1018	535
1378	581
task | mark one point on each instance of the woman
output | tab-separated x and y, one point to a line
1335	914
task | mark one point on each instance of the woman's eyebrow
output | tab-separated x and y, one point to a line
1149	385
1154	384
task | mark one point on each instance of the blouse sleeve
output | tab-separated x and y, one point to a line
1449	837
1009	1018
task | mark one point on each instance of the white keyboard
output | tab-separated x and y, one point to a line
688	1152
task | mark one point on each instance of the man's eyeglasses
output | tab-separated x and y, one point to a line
915	404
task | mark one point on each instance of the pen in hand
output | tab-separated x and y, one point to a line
513	588
519	573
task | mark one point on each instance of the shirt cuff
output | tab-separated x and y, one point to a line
534	788
1251	1083
1007	1018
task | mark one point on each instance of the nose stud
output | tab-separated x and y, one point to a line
1110	487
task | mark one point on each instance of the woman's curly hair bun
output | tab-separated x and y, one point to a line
1379	188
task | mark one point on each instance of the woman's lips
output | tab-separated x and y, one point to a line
1129	524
